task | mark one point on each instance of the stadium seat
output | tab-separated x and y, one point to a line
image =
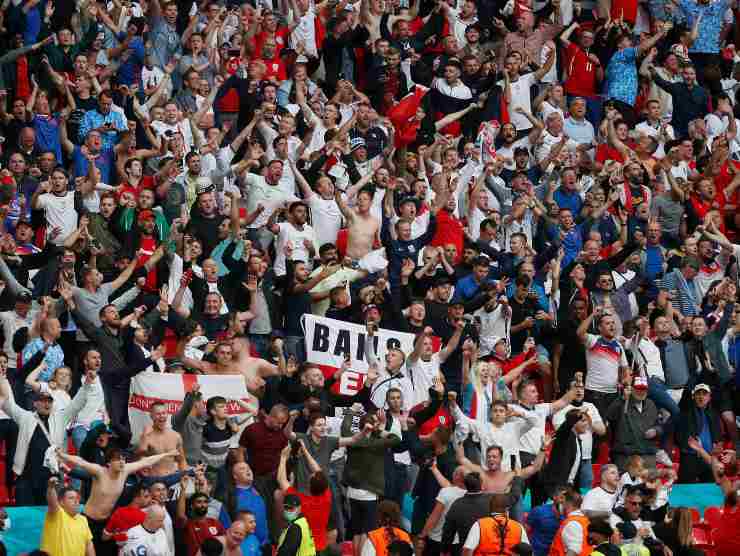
702	533
695	516
713	515
596	470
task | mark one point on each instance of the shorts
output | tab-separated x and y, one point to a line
102	548
363	516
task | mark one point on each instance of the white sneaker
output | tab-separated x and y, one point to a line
662	458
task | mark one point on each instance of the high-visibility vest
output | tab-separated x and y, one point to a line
558	547
381	539
498	535
307	547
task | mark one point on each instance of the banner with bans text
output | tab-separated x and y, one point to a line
327	340
170	389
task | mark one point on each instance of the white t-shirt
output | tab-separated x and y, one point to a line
508	152
446	497
60	212
141	542
326	218
421	374
292	236
471	543
531	441
599	500
521	97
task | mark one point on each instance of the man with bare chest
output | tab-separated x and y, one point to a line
233	358
494	480
107	486
363	227
161	439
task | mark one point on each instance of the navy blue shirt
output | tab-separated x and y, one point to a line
544	522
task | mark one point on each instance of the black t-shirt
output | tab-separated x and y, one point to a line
214	326
206	230
519	312
294	307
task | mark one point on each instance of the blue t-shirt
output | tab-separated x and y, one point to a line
621	76
251	546
570	200
544	523
47	135
249	499
104	163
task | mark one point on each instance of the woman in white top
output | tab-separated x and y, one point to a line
58	386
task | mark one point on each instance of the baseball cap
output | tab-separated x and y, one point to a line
357	143
601	527
700	387
640	383
42	396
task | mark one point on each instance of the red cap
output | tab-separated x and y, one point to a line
146	215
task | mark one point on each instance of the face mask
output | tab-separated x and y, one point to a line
290	515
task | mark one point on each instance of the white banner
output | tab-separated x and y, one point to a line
148	388
327	340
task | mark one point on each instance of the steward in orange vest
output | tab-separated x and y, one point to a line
577	529
389	517
496	535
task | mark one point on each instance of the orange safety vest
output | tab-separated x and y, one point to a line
498	535
558	548
381	539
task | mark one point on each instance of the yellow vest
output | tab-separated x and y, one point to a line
307	547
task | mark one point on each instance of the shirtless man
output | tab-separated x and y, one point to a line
233	358
363	226
162	440
107	486
493	479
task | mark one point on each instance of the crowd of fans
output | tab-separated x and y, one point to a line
544	194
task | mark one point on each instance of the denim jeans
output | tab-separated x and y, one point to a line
296	346
585	475
658	392
79	433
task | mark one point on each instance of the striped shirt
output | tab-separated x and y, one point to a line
603	359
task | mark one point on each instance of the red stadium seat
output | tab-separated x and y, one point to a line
713	515
342	242
695	516
596	470
702	533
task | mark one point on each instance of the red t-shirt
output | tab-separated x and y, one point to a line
147	247
281	40
198	530
263	448
124	519
626	8
274	68
449	230
146	182
606	152
316	510
443	418
581	72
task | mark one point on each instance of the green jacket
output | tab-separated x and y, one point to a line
365	466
